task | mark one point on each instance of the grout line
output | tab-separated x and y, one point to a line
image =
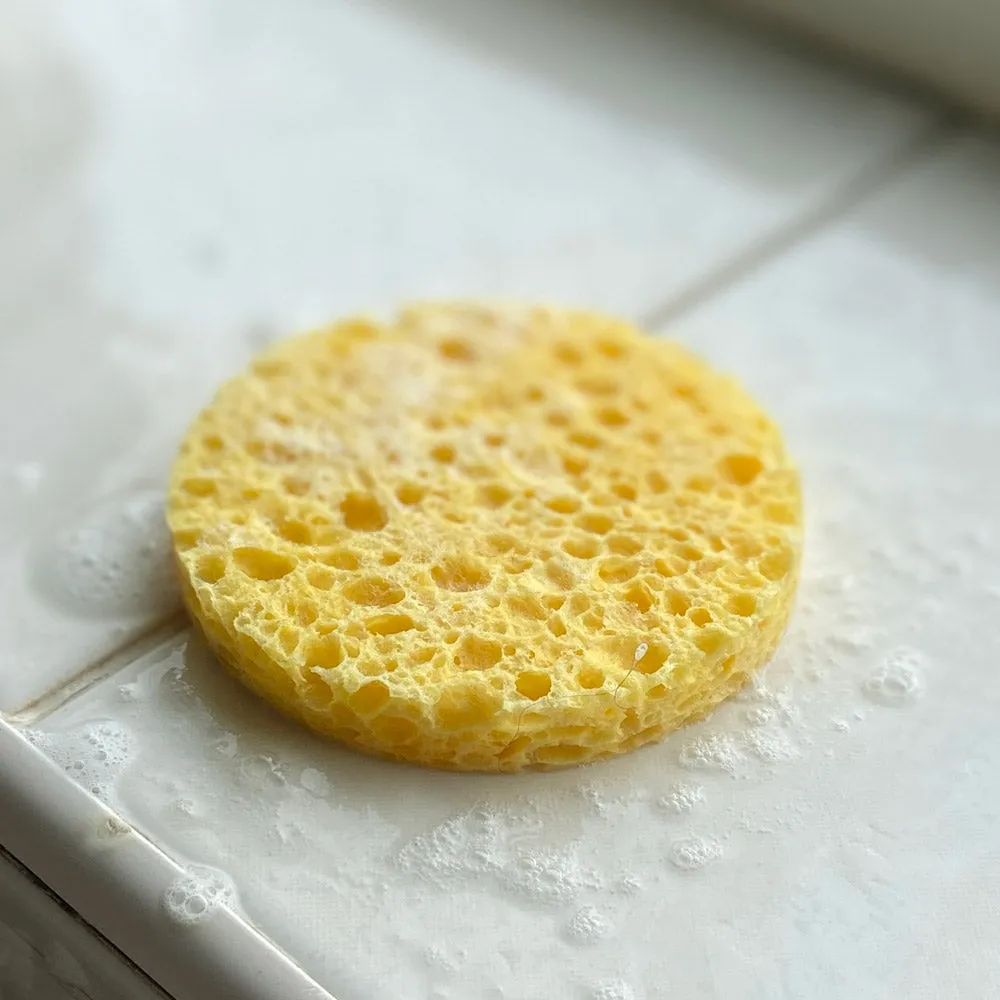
55	698
855	191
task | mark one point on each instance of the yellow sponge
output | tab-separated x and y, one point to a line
487	538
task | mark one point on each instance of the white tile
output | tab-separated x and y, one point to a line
847	829
178	181
233	162
878	346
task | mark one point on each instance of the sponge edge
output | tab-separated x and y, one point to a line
487	537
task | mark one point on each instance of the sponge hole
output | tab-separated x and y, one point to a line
624	545
598	385
296	485
574	465
776	564
461	573
362	512
370	698
651	659
563	504
616	569
526	606
533	684
477	653
515	565
410	493
780	513
390	624
710	639
296	532
319	577
199	486
494	495
341	559
677	603
741	469
612	349
657	482
374	591
568	354
611	416
211	568
596	523
454	349
581	547
263	564
324	651
624	491
639	596
501	542
585	439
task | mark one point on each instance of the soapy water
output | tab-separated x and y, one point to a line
629	885
759	715
490	847
94	756
682	798
713	752
692	853
615	989
197	894
898	680
315	782
262	769
771	746
586	926
115	563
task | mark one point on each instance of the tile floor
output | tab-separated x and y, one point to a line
180	183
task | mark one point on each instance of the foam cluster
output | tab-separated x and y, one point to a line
487	538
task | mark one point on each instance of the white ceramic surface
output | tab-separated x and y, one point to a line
832	833
180	181
47	953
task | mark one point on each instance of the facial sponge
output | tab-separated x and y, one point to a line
487	538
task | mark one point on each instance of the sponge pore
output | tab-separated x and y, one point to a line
487	538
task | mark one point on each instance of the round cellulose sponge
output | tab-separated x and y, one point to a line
487	538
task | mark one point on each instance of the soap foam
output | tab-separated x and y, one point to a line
682	798
94	756
898	681
713	752
197	894
692	853
116	563
487	846
586	926
616	989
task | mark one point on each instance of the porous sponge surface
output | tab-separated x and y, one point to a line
487	538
